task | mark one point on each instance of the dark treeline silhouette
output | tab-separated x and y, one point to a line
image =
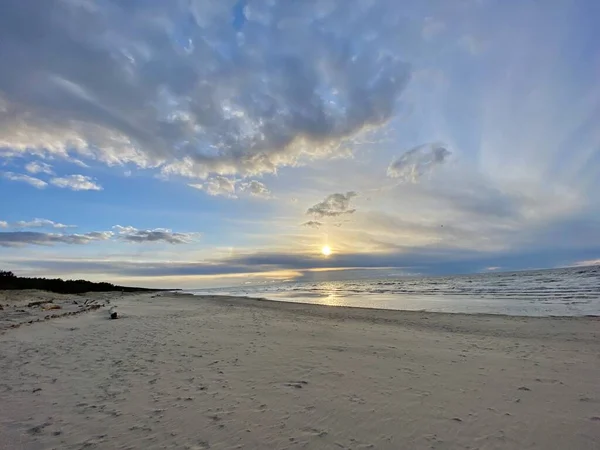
9	280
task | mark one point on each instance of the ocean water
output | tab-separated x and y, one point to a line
553	292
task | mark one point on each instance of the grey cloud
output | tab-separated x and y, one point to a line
39	167
193	88
35	182
127	234
76	183
418	161
313	224
131	234
22	238
334	205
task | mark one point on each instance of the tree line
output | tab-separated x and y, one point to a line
10	281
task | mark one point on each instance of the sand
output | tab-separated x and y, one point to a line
182	372
23	307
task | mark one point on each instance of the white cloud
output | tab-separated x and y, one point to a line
418	161
39	167
3	224
79	163
255	189
36	223
131	234
334	205
231	188
76	183
217	186
35	182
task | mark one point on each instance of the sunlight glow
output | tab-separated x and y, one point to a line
326	250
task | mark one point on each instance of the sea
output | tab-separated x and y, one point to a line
572	291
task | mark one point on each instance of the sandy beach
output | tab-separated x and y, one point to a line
183	372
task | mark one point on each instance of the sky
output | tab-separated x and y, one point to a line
196	143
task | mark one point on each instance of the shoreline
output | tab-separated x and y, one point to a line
182	371
379	310
587	328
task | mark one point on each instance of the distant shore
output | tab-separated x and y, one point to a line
181	371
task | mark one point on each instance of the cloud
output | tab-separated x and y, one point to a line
76	183
22	238
35	182
195	88
79	163
334	205
35	223
255	189
424	261
127	234
131	234
226	187
313	224
39	167
216	186
418	161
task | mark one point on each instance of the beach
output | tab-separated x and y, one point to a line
177	371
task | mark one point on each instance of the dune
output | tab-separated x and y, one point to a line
184	372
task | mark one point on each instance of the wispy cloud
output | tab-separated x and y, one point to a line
313	224
39	167
217	185
76	183
35	223
232	188
255	189
35	182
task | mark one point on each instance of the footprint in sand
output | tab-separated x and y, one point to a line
315	431
297	384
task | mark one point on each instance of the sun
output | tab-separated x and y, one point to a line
326	250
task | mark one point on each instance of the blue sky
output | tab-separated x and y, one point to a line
199	143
